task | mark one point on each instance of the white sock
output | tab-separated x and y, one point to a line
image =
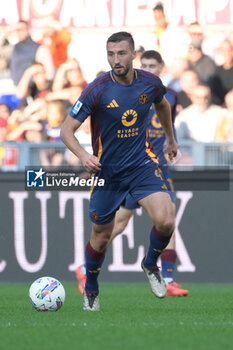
168	280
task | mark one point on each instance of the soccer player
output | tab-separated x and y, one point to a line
119	102
152	62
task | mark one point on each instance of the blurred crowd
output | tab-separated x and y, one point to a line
39	82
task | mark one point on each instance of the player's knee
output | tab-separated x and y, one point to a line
101	234
101	240
166	226
104	242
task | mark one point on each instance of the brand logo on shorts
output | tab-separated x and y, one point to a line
143	98
94	215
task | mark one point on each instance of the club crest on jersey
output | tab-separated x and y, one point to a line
143	98
77	106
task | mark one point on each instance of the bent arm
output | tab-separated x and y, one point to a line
163	111
67	134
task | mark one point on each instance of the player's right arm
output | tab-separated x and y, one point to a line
68	129
163	111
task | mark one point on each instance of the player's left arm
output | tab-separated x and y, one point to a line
163	111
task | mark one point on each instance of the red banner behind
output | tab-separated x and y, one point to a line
116	13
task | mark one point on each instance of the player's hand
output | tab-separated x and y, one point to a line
91	163
176	159
171	148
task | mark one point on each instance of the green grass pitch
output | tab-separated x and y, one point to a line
131	318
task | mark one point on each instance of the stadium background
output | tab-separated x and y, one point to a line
92	21
37	229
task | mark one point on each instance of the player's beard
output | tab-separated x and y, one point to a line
123	72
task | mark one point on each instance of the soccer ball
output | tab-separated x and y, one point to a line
47	294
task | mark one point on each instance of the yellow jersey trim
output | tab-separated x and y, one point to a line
111	75
151	154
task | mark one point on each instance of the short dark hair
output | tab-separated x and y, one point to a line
122	36
152	54
158	7
140	48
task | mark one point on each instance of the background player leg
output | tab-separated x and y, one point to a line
121	221
168	262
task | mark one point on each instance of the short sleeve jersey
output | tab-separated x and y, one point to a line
119	119
155	130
